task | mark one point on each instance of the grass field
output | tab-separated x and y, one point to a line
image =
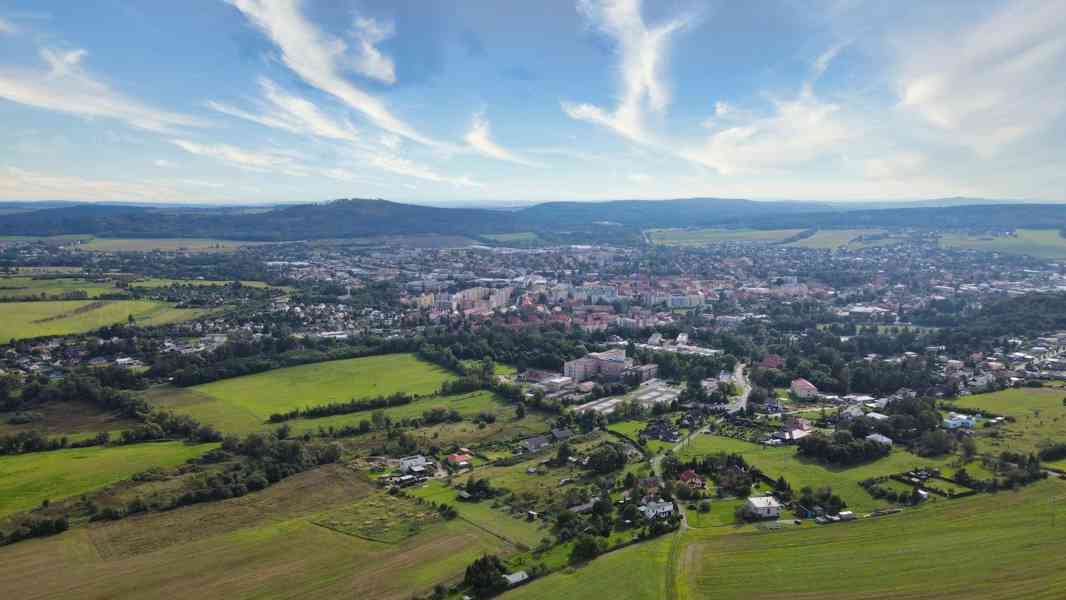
262	545
704	237
1041	243
244	404
72	419
22	287
162	244
832	238
27	479
380	518
525	237
19	320
1039	414
517	530
985	547
799	472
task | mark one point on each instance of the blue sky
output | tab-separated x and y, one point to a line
493	101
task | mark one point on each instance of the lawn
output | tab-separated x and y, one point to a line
704	237
27	479
23	287
1039	414
516	530
161	244
984	547
1041	243
19	320
832	238
782	461
243	404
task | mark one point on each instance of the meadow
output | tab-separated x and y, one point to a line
800	472
244	404
524	237
1041	243
1039	414
21	320
704	237
161	244
515	529
28	479
72	419
23	287
832	238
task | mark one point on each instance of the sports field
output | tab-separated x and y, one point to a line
1041	243
162	244
244	404
705	237
1039	414
19	320
28	479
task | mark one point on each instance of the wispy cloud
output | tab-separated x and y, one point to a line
370	62
36	185
642	54
6	27
320	60
281	110
65	86
256	160
480	139
402	166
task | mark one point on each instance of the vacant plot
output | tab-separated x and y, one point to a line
989	546
1041	243
513	528
800	472
1039	414
28	479
25	287
19	320
832	238
161	244
705	237
244	404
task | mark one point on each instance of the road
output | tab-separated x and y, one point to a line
740	402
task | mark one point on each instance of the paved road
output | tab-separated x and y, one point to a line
741	377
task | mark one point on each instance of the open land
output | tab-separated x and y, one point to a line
1041	243
20	320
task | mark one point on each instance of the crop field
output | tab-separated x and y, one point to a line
832	238
704	237
515	529
1039	413
987	546
243	404
28	479
782	461
20	320
72	419
23	287
1041	243
162	244
260	545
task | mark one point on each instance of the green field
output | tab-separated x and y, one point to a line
515	529
782	461
27	479
1041	243
1039	414
832	238
525	237
161	244
22	287
704	237
19	320
243	404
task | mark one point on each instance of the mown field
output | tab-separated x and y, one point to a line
28	479
163	244
832	238
20	320
1039	414
984	547
262	545
703	237
244	404
1041	243
782	461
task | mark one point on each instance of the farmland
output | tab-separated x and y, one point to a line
161	244
159	282
1041	243
1039	414
525	237
704	237
832	238
23	287
28	479
244	404
20	320
72	419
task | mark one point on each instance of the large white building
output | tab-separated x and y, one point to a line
609	365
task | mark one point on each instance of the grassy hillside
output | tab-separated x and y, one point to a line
20	320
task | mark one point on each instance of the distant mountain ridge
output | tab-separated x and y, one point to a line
349	218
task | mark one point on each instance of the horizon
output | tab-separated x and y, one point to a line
567	100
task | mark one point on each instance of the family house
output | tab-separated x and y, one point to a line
764	507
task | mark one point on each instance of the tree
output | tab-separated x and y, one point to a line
969	448
520	411
586	548
484	577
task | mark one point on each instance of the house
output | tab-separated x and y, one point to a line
535	444
772	361
561	435
764	507
957	421
851	412
880	439
657	509
414	465
693	480
516	578
876	416
801	388
461	461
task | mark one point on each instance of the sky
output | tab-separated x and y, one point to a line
507	102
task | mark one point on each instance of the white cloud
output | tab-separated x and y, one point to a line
480	139
402	166
6	27
65	86
642	52
292	114
36	185
261	161
319	59
162	163
639	178
991	84
897	166
371	62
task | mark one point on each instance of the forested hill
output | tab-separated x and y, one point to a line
585	220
